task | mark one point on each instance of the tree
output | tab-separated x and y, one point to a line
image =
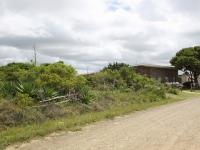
116	66
188	60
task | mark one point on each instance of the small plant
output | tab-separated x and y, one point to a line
7	89
173	91
23	100
84	94
46	92
26	88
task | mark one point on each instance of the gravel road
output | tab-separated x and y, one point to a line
171	127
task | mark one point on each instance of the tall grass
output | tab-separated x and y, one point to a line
74	122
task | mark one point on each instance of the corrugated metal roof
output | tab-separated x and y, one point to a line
154	66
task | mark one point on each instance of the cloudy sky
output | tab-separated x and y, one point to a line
89	34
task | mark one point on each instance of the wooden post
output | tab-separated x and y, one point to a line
35	55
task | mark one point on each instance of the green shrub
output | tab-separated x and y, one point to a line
8	89
26	88
46	92
173	91
116	66
84	94
23	100
40	82
24	85
152	93
122	78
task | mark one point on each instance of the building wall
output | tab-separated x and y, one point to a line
185	78
160	74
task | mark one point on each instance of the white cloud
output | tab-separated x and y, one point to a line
91	33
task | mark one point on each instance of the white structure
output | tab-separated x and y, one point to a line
185	78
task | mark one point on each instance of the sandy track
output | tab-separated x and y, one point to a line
170	127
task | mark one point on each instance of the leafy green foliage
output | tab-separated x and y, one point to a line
84	95
7	89
172	89
123	78
40	82
46	92
116	66
12	72
23	100
188	60
25	86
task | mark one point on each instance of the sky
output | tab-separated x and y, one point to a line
89	34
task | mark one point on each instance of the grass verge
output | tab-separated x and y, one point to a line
72	123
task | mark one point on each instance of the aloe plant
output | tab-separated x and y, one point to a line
26	88
46	92
8	89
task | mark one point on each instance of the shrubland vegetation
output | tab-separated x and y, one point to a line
24	87
34	95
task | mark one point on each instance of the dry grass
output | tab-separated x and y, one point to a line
23	133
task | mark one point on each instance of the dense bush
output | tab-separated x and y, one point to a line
124	78
172	90
23	100
25	87
116	66
41	82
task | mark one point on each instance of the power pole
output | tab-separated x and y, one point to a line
35	55
87	70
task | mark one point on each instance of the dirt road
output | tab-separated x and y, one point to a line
170	127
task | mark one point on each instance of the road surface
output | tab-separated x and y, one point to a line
171	127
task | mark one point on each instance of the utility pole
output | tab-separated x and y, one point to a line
35	55
87	70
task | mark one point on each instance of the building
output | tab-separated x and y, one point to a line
184	78
160	73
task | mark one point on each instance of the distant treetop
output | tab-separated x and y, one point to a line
116	66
